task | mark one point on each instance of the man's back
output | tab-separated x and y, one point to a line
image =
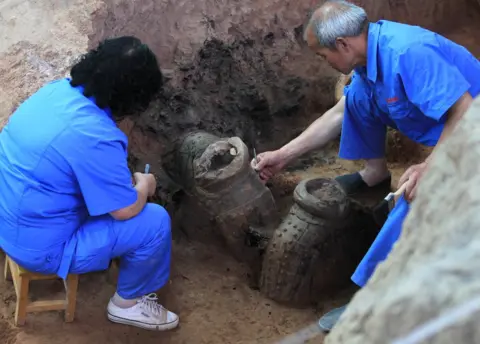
415	76
399	38
49	135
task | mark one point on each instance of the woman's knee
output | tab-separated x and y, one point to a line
156	220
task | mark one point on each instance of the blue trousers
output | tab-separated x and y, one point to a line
142	243
383	243
363	137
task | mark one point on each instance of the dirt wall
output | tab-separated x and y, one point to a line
237	68
241	68
178	29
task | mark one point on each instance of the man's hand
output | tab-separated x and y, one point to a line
317	135
149	179
268	164
411	176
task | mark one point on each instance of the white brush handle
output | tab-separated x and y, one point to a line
400	191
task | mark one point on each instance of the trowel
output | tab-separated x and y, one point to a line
383	209
302	336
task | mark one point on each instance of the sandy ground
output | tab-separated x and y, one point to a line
208	289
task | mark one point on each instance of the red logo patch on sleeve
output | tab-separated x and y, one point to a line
392	100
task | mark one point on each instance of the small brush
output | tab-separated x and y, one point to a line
383	209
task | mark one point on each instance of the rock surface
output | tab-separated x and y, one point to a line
34	50
434	265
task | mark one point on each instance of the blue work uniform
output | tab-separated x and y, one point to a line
412	78
63	169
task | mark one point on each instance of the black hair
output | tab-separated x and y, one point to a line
121	74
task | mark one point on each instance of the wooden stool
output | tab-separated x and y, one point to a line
21	280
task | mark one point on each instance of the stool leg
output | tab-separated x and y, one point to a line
71	289
22	301
6	272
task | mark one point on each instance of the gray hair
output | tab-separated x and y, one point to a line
334	19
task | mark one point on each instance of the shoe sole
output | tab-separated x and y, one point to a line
164	327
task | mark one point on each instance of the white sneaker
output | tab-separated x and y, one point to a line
147	314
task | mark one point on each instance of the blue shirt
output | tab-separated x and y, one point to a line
62	159
412	78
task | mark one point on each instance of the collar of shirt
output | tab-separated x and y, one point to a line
107	110
369	72
372	49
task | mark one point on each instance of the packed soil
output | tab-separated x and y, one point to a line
326	191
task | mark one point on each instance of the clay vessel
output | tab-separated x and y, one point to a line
317	246
216	175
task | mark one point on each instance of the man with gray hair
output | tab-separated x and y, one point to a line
405	77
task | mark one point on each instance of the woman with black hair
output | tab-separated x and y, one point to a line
67	203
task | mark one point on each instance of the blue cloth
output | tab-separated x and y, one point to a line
412	78
143	243
383	243
63	164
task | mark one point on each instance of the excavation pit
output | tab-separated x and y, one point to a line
235	70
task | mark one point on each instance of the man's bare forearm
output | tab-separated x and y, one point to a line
318	134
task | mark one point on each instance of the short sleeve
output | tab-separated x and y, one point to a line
363	133
103	176
431	82
352	80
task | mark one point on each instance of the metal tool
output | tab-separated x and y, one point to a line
383	209
303	335
255	155
147	168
